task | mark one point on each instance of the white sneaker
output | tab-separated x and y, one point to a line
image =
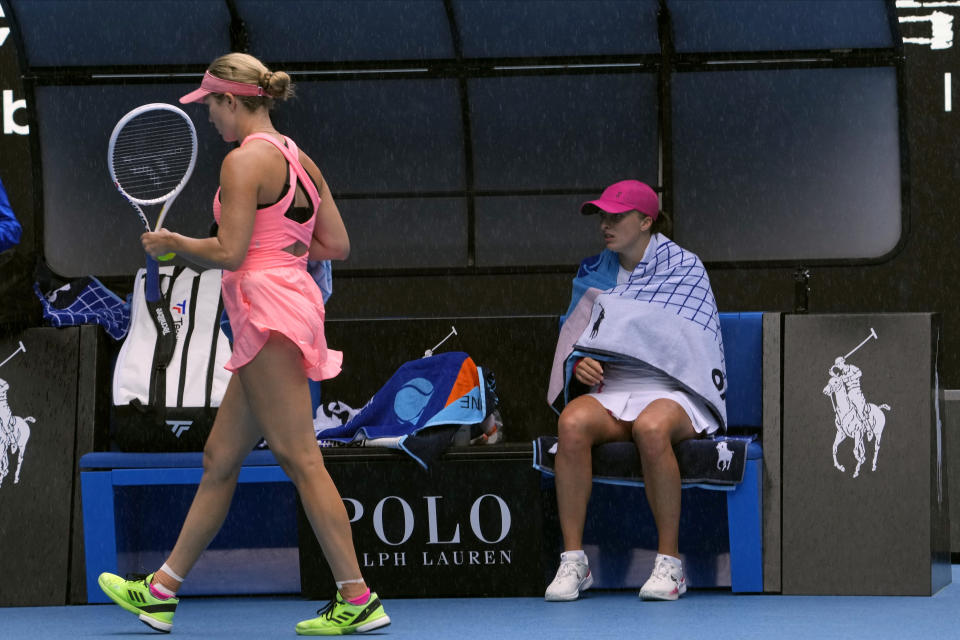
573	576
666	582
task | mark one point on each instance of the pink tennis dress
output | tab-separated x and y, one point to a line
271	290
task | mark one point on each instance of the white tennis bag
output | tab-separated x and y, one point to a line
170	406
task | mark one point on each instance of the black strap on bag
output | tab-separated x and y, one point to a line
166	341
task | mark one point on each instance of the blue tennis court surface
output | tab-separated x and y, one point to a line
706	614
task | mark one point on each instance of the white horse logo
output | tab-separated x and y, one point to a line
854	417
14	433
724	456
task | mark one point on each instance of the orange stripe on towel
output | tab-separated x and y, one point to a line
467	379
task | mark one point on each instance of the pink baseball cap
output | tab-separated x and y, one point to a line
213	84
624	196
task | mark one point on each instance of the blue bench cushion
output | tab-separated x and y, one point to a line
709	462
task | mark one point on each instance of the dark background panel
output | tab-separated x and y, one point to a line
340	30
541	28
434	231
94	377
64	33
939	462
761	25
787	165
36	511
530	230
376	136
873	531
570	132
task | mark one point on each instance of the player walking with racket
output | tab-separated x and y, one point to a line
274	211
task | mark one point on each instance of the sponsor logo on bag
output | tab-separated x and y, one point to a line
164	327
179	427
180	307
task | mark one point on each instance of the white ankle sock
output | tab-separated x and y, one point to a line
671	559
167	570
577	555
340	583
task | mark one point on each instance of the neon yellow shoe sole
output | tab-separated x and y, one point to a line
340	617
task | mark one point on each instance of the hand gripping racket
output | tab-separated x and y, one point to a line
151	155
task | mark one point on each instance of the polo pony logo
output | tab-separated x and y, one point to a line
854	417
724	456
596	325
14	430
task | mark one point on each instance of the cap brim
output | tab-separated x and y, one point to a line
610	206
195	96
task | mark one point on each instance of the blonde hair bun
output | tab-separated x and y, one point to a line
242	67
277	84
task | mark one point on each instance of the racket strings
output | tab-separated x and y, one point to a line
152	154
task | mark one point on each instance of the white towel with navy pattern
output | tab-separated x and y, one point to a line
85	301
665	316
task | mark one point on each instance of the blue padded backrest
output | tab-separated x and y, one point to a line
743	351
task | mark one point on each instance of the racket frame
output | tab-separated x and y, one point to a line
157	305
168	198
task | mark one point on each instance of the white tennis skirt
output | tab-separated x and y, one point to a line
626	392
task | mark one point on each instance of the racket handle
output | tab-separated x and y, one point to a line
151	290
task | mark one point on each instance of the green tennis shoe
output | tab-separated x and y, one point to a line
135	597
340	617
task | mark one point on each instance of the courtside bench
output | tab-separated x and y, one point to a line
134	503
732	464
467	526
490	499
123	492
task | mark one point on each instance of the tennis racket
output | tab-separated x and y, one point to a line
151	155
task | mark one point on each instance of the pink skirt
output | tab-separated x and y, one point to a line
282	299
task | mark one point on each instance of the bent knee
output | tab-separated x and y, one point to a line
651	436
219	465
579	428
300	464
574	431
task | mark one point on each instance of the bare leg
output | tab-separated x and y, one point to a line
658	427
234	434
583	424
276	389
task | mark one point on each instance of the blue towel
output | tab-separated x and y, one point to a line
596	272
423	396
